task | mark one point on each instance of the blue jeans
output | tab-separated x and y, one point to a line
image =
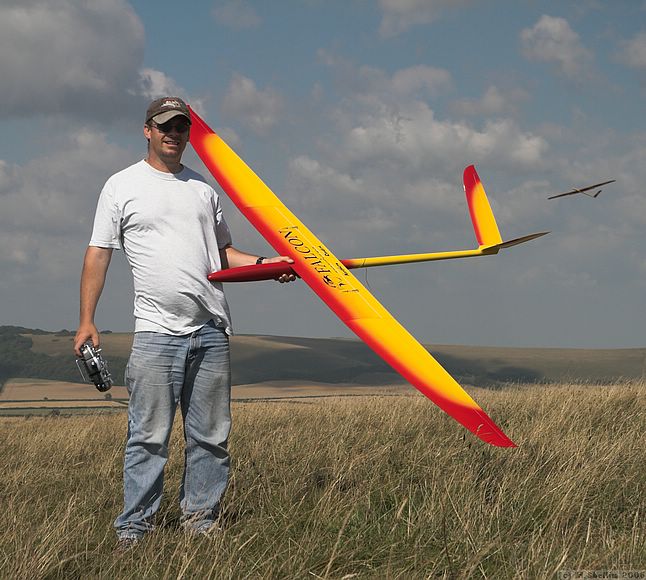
163	370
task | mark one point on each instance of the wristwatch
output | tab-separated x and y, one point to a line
259	260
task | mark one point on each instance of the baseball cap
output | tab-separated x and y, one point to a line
164	109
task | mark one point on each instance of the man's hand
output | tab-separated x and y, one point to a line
283	277
83	334
231	257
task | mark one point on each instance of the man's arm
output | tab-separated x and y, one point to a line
95	268
232	258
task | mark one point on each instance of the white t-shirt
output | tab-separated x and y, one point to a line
171	228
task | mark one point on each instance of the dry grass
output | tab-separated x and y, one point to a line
369	487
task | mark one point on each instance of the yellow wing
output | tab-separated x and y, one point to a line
336	286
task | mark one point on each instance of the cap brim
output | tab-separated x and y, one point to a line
167	116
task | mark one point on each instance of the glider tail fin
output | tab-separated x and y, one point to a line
484	222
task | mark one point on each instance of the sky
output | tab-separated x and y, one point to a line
361	115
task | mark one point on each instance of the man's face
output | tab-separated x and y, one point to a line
168	141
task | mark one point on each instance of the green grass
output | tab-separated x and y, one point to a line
363	487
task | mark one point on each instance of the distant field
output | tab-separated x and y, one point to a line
349	487
260	359
29	394
43	390
45	374
40	389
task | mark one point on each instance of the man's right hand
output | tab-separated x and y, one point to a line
83	334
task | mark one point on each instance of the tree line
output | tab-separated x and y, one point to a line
18	360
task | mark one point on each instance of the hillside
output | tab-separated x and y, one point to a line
28	353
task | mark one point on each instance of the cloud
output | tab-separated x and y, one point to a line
421	81
390	166
319	179
395	178
235	14
400	15
633	52
63	56
414	136
312	170
492	102
8	177
156	84
432	80
258	110
523	203
48	204
627	166
364	211
552	39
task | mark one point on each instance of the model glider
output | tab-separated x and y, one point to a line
331	279
583	190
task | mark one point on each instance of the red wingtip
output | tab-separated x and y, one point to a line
489	432
199	128
470	176
475	420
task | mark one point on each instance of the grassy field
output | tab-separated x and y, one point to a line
362	487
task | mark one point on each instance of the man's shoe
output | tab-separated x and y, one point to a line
126	544
204	529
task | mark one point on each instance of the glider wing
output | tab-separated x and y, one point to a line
336	286
583	190
484	225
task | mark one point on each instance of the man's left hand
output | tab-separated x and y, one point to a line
283	277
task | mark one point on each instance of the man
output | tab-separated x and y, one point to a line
169	223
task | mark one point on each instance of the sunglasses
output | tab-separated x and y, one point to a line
168	126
